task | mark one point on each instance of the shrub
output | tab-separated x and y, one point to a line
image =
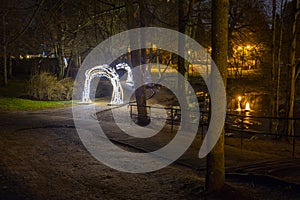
45	86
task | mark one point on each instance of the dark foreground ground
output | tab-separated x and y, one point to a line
42	157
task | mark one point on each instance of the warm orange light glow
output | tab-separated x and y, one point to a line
247	108
239	98
154	47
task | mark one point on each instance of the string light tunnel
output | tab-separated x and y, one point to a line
110	73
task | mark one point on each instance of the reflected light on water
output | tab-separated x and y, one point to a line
247	108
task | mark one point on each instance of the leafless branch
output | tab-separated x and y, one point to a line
18	35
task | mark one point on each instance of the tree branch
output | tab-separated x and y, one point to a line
89	22
106	3
15	37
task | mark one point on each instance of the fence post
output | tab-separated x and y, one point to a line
131	113
202	124
172	120
294	139
242	131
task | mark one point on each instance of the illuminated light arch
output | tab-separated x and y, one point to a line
109	73
127	68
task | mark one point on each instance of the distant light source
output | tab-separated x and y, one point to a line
247	108
154	47
239	98
239	104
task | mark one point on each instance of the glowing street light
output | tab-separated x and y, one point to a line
239	98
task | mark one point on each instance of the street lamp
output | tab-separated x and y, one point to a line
239	98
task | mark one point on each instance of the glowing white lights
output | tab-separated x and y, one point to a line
101	147
239	104
126	67
111	74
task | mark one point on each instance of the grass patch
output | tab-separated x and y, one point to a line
11	98
17	104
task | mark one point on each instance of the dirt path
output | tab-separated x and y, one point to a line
42	157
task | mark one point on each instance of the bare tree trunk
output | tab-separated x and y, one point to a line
279	69
4	64
200	34
61	42
69	65
283	6
4	51
293	72
215	168
182	65
62	60
181	28
274	93
10	67
60	55
138	76
189	15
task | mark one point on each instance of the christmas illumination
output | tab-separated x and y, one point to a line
127	68
109	73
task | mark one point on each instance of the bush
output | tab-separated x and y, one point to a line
45	86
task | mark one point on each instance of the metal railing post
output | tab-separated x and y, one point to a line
130	105
242	131
172	120
294	139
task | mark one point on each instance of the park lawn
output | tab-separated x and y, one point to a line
18	104
10	98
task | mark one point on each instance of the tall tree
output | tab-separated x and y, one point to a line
280	26
134	20
274	98
215	174
4	43
184	16
16	19
292	63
